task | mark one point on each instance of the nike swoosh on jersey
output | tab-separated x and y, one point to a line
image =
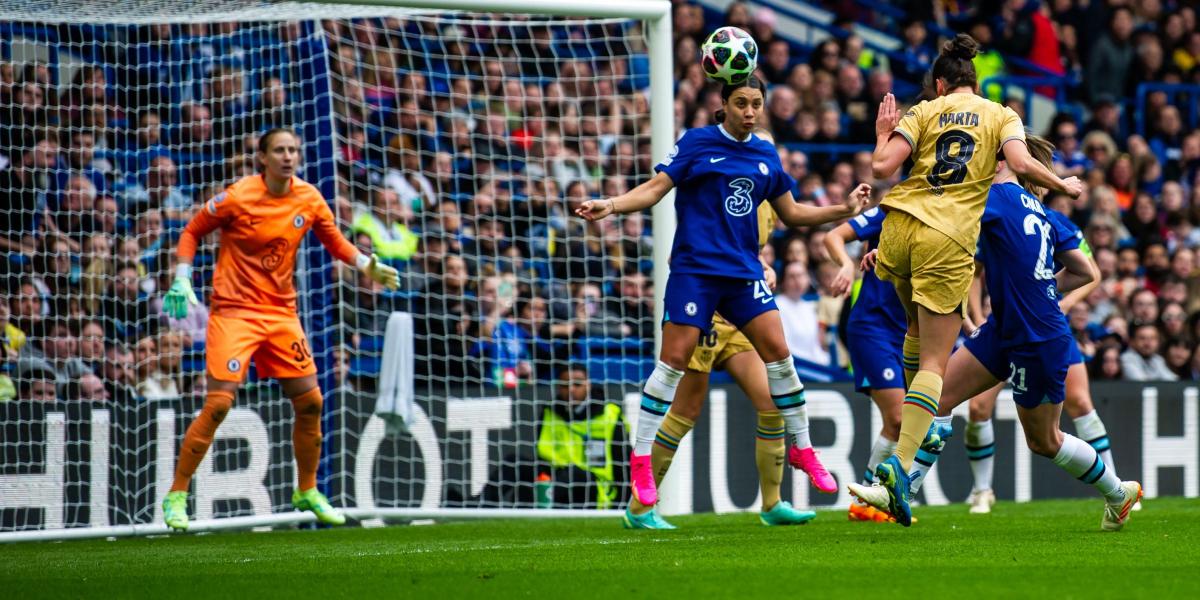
717	160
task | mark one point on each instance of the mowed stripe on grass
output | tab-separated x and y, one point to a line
1042	549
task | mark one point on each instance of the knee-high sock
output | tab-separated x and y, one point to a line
769	451
910	358
1091	429
306	437
1083	463
880	450
920	405
666	443
657	395
926	458
199	437
980	441
788	394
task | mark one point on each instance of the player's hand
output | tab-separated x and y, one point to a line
868	261
594	210
889	117
382	273
842	281
1073	186
770	277
176	302
858	200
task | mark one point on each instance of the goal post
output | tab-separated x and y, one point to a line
131	120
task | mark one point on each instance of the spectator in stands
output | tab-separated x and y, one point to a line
75	213
484	252
781	114
387	223
53	274
226	100
404	174
1142	362
21	186
1106	366
81	158
153	383
1110	57
27	307
916	51
798	310
36	382
1143	306
56	344
776	63
125	309
274	109
120	376
443	317
12	340
1173	321
28	113
159	191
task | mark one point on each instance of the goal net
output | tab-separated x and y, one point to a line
455	145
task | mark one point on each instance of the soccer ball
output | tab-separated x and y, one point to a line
730	55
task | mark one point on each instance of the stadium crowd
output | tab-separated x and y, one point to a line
462	148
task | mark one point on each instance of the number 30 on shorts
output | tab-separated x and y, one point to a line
300	347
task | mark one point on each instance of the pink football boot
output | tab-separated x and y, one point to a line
806	460
642	475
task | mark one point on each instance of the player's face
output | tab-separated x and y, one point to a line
282	156
742	108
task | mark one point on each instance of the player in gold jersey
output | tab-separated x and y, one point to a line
927	246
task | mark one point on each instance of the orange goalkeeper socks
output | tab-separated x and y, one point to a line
199	437
306	437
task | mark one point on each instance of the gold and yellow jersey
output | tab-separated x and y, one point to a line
956	140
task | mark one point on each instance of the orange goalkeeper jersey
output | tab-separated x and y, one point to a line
260	233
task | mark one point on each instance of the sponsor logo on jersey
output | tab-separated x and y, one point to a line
741	201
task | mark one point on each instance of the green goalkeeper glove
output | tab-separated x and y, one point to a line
176	302
379	271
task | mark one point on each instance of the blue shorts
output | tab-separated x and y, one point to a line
692	300
875	354
1037	372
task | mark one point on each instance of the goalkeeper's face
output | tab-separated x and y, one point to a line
281	156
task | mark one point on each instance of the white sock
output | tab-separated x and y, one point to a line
657	395
788	394
980	441
880	450
1083	463
1091	429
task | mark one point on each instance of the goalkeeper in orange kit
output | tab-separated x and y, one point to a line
262	219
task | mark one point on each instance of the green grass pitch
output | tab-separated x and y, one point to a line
1049	549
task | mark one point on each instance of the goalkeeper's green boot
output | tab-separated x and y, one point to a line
175	510
783	514
316	502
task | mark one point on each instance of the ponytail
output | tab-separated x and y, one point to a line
953	65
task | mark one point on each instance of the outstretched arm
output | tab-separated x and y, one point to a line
180	295
1016	154
638	199
327	232
794	214
835	243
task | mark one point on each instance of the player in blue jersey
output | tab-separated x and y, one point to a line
874	337
721	173
980	435
1027	341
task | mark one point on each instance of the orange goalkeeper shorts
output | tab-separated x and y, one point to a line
278	347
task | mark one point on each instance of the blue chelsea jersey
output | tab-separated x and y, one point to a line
719	183
877	306
1018	242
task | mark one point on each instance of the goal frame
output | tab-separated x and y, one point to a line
657	16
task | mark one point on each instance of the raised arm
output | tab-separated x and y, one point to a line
1017	155
835	243
794	214
638	199
180	295
1077	271
891	148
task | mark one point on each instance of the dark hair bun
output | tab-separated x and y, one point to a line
962	46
